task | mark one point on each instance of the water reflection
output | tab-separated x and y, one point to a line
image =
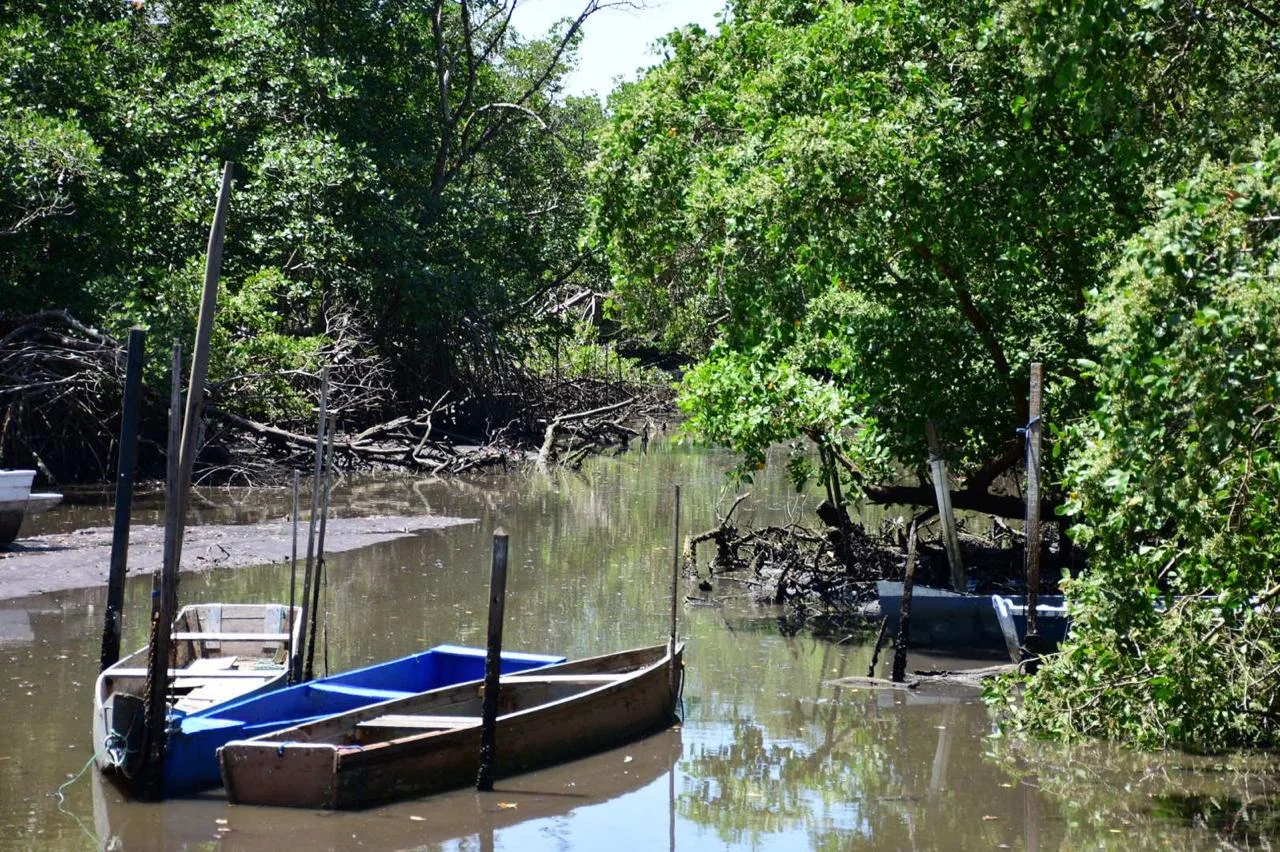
770	754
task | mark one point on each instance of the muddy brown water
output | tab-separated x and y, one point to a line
769	755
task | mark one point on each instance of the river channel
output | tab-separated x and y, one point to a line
768	755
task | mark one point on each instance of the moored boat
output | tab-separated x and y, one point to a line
1011	614
220	652
191	763
431	742
942	618
17	502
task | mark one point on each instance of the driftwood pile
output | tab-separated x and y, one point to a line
61	383
833	568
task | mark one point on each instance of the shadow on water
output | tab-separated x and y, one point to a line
770	754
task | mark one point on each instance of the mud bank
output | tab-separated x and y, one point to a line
80	559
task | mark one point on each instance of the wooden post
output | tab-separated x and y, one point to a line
941	488
126	466
180	484
315	511
675	587
1032	640
904	614
493	661
318	576
150	782
293	570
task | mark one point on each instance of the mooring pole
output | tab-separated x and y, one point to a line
155	705
293	570
299	673
675	587
176	505
941	489
126	467
493	661
904	613
1032	641
318	577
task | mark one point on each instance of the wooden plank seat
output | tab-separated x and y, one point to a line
183	636
564	678
185	673
414	722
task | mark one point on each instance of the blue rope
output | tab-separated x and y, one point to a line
1025	432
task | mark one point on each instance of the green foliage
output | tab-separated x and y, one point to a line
841	194
414	167
1176	482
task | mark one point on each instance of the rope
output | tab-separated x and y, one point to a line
62	799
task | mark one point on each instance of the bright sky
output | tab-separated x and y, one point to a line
615	42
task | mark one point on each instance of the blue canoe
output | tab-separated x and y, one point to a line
941	618
191	764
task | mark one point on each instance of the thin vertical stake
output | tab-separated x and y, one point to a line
493	661
675	586
299	672
293	569
904	613
126	467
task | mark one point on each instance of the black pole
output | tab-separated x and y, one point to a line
126	466
293	575
318	575
493	660
904	613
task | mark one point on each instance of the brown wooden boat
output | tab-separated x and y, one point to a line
430	742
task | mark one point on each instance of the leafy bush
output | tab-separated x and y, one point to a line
1176	481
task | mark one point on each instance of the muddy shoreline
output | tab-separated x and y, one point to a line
78	560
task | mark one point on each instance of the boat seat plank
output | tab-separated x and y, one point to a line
416	722
187	673
564	678
359	691
230	637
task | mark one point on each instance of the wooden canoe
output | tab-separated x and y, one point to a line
431	742
221	652
190	759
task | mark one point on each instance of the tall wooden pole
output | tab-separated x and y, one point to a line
493	661
1032	641
163	596
675	588
904	613
318	577
942	491
176	505
126	466
315	511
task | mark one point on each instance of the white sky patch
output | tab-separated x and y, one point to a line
615	42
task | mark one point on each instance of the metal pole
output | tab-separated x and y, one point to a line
126	467
493	661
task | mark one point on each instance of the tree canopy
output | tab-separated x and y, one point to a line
866	215
408	168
